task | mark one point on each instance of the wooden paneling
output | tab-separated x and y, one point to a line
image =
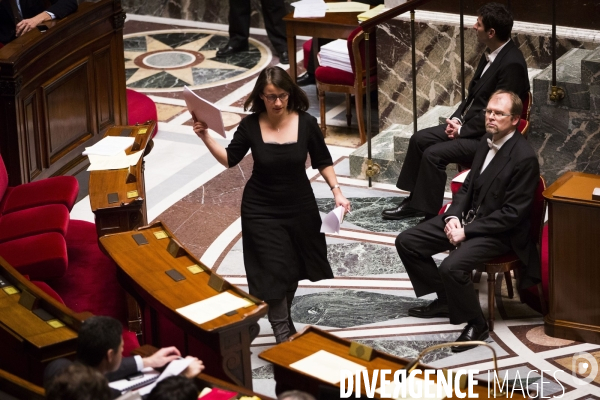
67	104
61	90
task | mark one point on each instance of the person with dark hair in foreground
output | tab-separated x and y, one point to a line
280	220
488	217
430	150
19	18
100	346
174	388
295	395
79	382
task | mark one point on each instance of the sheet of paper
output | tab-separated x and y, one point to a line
347	6
122	160
310	10
204	110
332	221
307	2
175	367
325	366
110	145
418	387
372	12
213	307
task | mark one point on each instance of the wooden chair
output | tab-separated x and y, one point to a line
510	262
336	80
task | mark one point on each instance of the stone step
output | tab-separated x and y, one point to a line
590	68
427	120
382	153
568	77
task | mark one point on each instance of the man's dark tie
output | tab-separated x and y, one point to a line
15	10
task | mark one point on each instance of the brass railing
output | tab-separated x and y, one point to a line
369	26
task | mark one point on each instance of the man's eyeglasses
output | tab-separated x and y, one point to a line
497	114
272	98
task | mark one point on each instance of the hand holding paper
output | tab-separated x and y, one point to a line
332	221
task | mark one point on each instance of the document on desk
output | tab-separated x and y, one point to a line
204	110
110	146
309	9
325	366
119	161
213	307
347	6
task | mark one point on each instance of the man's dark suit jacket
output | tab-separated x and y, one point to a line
508	72
127	367
29	9
503	195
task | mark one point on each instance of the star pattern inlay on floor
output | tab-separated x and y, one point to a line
168	60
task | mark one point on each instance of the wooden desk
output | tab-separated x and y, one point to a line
18	388
60	90
311	340
337	25
203	380
574	276
129	211
223	344
28	342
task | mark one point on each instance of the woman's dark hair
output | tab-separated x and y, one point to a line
496	16
297	100
174	388
79	382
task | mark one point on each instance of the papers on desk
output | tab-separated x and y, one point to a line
335	55
175	367
213	307
151	377
123	385
332	221
119	161
110	146
347	6
309	9
371	13
204	110
325	366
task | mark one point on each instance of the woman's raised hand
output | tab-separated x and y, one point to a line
200	128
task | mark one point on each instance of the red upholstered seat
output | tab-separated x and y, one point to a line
336	80
306	49
130	342
42	257
34	221
140	108
48	290
90	283
56	190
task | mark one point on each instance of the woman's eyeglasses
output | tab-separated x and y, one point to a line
272	98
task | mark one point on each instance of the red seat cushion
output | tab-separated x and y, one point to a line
130	342
34	221
48	290
334	76
140	108
57	190
306	49
41	257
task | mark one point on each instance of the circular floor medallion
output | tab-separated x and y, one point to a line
168	60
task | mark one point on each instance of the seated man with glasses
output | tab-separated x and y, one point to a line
488	217
430	150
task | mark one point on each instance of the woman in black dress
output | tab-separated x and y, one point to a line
282	242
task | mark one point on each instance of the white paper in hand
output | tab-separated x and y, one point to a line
204	110
332	221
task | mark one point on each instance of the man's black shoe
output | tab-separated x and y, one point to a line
403	211
306	79
228	50
469	333
435	309
283	57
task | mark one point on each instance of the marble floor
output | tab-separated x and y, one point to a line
368	299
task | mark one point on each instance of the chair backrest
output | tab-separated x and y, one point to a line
3	179
523	126
356	51
538	213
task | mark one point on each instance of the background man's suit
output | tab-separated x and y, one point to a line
430	150
502	195
273	12
29	9
128	367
